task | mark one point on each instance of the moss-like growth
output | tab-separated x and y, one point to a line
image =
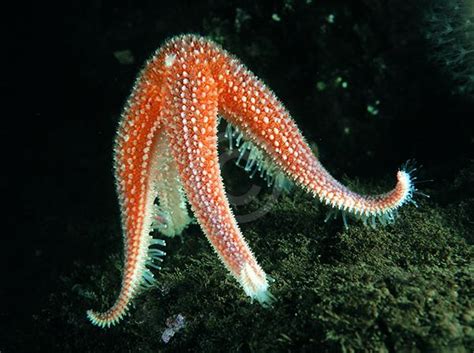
406	287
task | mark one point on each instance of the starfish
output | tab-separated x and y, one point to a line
166	150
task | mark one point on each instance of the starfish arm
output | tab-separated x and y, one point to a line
250	106
135	145
192	131
171	216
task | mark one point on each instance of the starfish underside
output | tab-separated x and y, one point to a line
166	149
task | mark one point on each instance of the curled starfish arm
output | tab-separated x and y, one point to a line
193	141
251	107
135	144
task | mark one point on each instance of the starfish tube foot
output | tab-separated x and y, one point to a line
166	149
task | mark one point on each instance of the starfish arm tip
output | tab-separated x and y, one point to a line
95	319
105	320
255	284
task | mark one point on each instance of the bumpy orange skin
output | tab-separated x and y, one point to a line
173	112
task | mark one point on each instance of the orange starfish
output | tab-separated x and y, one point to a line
166	148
